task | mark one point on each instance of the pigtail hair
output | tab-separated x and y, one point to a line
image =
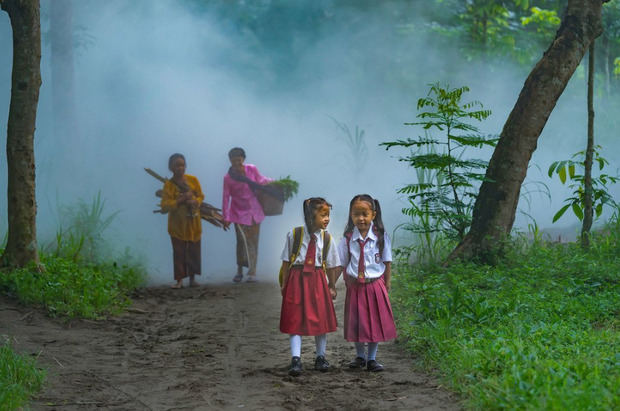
348	229
308	216
379	227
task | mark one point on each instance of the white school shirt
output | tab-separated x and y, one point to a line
332	254
372	258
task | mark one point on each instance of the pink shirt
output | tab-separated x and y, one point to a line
239	203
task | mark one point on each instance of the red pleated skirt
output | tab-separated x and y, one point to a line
367	312
307	307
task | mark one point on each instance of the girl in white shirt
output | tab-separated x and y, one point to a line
307	307
366	257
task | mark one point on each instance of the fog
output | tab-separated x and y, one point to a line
155	78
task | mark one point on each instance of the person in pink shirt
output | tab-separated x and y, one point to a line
241	207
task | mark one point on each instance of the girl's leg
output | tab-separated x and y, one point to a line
360	349
372	364
320	363
295	368
321	344
295	345
372	351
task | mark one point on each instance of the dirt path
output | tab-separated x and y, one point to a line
208	348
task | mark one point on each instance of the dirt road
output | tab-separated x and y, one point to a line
216	347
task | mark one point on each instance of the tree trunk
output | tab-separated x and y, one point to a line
61	36
496	205
588	212
26	80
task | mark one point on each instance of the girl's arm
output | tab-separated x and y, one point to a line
332	277
285	273
387	275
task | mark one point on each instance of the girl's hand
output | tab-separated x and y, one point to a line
333	292
282	290
388	285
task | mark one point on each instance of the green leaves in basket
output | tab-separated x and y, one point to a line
289	186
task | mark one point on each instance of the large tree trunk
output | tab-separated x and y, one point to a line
496	205
26	80
588	212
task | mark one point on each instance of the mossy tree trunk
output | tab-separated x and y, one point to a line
496	205
25	83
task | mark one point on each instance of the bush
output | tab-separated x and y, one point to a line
70	289
538	331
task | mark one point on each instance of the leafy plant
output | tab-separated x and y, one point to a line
566	170
80	234
444	195
356	143
290	187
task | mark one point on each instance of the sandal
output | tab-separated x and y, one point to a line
251	279
176	286
238	278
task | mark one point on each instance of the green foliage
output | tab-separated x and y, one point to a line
20	379
617	67
545	21
538	331
69	289
567	169
80	234
446	189
290	187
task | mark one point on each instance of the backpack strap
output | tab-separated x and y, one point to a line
327	239
298	235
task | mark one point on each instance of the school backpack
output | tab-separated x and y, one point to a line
298	235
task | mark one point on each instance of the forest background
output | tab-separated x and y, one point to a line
322	84
200	77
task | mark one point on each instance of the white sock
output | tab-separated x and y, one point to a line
321	344
372	351
361	352
295	345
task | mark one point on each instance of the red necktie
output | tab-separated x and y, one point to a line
310	255
361	265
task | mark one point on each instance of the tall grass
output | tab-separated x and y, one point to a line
19	378
541	330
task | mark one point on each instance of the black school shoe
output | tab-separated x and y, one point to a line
374	366
321	364
358	362
295	368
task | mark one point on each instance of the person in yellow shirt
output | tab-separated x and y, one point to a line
181	199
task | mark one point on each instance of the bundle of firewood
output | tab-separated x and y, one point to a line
208	212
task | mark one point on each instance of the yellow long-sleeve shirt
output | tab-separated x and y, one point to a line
181	223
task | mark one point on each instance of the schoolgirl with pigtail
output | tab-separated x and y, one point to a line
366	257
307	307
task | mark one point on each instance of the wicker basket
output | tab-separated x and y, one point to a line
272	205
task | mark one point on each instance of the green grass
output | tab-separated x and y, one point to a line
541	330
19	378
71	289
